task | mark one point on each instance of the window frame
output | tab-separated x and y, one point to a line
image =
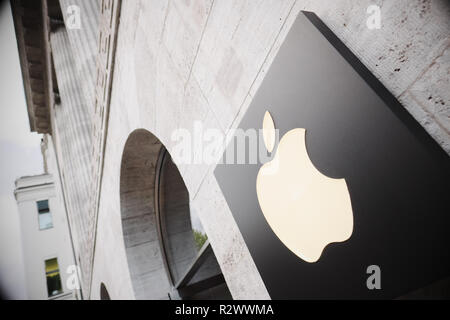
39	213
54	257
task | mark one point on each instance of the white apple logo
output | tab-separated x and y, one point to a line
305	209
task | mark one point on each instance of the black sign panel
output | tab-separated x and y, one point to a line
397	175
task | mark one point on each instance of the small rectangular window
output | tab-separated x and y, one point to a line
45	216
54	286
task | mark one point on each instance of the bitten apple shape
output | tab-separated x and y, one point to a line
305	209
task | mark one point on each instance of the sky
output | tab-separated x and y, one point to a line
20	155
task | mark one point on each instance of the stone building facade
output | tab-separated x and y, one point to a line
110	91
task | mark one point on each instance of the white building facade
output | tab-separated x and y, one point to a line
46	243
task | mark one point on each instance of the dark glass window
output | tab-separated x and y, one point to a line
54	286
45	216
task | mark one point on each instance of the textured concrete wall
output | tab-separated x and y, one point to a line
181	61
84	43
72	137
137	198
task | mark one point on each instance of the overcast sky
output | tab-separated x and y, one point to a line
20	155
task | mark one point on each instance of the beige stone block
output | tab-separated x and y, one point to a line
238	268
233	49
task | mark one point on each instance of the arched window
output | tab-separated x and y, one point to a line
169	256
190	262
